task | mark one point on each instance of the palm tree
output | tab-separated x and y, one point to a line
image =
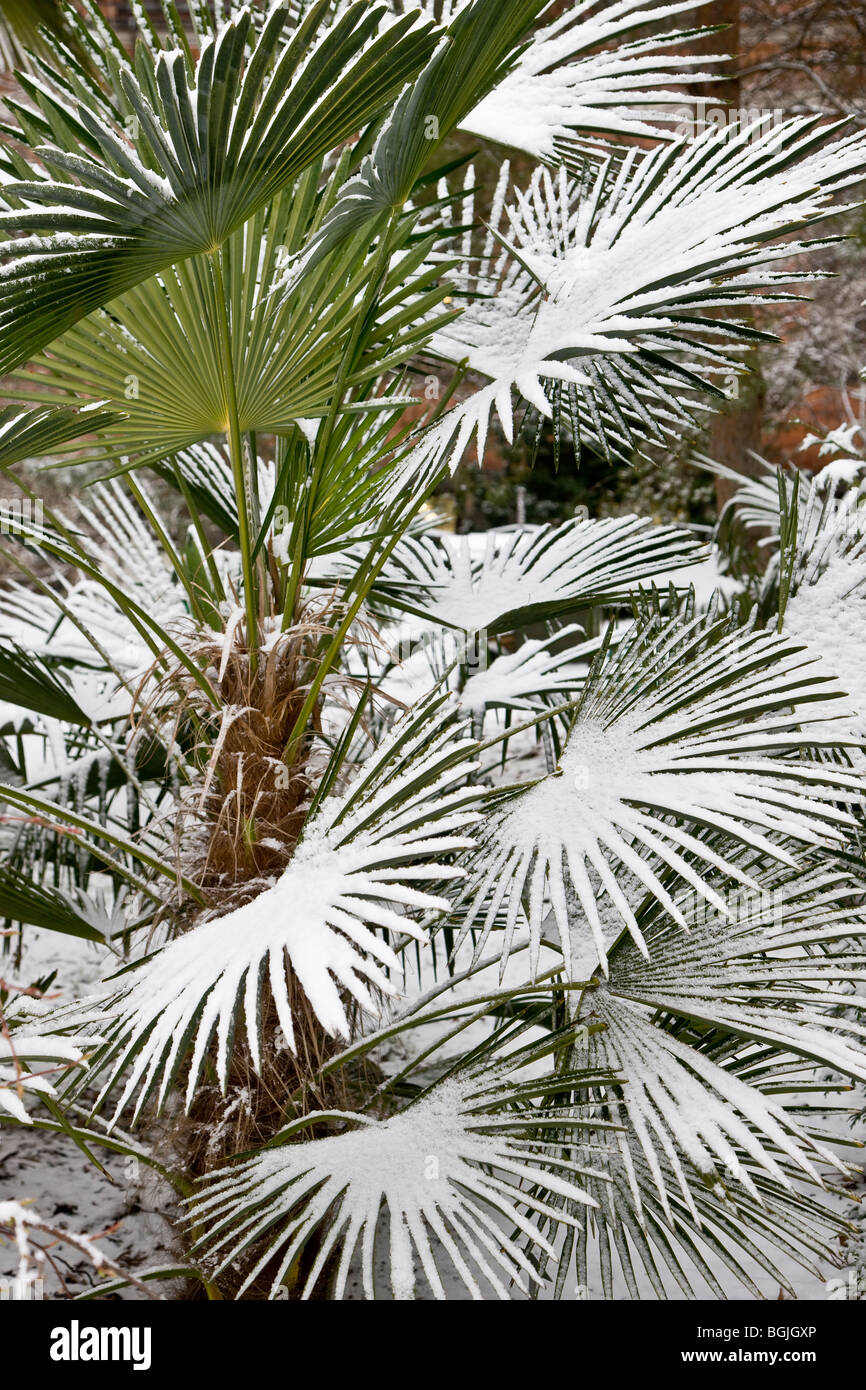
371	993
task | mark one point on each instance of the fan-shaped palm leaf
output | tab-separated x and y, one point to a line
156	353
683	1105
454	1171
351	874
680	726
531	574
207	154
599	293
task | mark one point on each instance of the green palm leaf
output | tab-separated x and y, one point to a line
26	434
208	155
156	352
24	901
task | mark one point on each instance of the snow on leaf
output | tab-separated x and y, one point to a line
327	919
537	571
13	1088
828	615
597	295
680	726
684	1104
584	73
519	680
581	76
825	574
453	1170
831	511
91	626
28	1049
736	1234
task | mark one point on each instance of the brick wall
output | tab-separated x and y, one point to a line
119	12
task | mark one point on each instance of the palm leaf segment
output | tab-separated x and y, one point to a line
765	968
24	1057
681	725
584	74
463	1173
352	876
597	293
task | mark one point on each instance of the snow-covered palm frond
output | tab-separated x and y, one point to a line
206	470
682	1024
533	573
755	503
843	448
323	926
540	672
831	528
739	1234
682	725
683	1105
464	1174
131	557
605	286
764	967
587	73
